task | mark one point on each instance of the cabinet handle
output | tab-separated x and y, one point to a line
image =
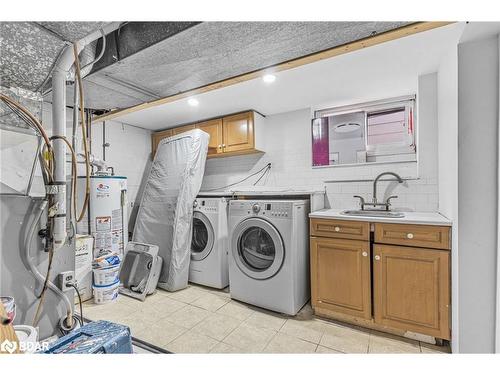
337	229
220	146
364	253
409	236
223	145
377	257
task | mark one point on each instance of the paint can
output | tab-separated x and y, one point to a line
106	276
106	293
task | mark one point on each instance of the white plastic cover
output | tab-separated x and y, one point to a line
166	211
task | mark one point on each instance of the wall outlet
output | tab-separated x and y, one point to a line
65	279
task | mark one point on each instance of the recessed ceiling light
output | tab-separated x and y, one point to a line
269	78
193	102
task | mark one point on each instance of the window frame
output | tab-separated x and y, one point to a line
388	150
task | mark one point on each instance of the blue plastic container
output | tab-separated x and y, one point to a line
100	337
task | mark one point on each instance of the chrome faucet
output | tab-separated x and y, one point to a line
387	203
400	180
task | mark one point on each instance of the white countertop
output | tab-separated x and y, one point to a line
424	218
263	190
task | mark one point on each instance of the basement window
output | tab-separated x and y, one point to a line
381	131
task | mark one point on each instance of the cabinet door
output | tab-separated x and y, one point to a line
238	132
340	276
412	289
157	137
182	129
214	129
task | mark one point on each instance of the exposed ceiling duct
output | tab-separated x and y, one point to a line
206	52
144	61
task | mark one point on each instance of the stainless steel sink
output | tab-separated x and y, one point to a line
372	213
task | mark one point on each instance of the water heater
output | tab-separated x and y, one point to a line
107	218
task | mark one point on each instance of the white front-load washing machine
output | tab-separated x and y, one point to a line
269	253
209	245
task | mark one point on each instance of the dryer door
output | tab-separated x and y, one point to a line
258	249
203	237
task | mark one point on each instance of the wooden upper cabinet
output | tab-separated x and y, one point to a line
412	289
238	132
214	129
340	276
182	129
157	137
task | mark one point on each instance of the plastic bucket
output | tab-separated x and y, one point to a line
106	294
106	276
10	307
28	336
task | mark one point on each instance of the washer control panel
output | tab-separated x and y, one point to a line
274	209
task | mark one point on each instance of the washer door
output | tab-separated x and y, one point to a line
258	249
203	237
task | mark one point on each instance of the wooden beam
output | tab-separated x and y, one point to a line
387	36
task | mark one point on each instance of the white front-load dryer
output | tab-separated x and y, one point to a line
209	245
269	253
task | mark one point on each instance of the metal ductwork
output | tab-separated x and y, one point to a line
144	61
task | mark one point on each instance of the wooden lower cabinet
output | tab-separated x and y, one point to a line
389	287
411	289
340	272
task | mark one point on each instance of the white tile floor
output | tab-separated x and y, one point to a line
203	320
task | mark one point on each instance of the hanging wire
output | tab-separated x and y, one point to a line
266	168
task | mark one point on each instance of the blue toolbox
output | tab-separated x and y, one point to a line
99	337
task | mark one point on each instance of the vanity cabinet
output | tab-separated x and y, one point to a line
237	134
390	277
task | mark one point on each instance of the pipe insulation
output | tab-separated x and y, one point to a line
59	77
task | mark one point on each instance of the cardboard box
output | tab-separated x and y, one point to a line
84	247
